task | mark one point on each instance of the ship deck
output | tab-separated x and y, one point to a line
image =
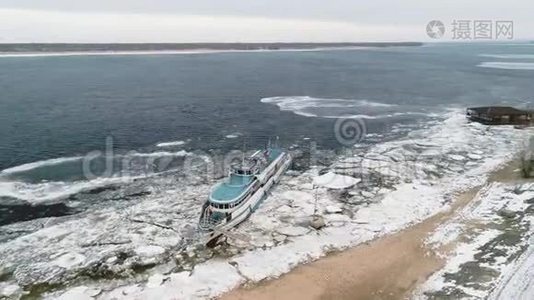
236	185
231	190
274	153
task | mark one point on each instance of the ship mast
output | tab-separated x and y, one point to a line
244	151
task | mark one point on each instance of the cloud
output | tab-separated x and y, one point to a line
20	25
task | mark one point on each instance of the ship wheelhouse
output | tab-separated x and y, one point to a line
230	193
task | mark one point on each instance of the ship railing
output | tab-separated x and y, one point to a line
207	222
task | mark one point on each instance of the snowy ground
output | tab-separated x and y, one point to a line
146	250
517	281
487	238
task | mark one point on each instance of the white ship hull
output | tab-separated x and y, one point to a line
235	215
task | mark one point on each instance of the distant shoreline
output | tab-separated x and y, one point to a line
161	52
142	48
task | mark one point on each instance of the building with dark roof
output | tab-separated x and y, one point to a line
499	115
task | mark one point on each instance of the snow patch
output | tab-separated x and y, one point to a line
335	181
517	281
69	260
149	251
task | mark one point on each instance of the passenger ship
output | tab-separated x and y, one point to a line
238	196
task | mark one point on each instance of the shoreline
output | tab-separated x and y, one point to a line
162	52
61	49
167	52
389	267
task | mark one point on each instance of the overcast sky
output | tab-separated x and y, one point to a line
247	20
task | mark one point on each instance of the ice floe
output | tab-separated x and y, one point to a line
10	290
39	164
509	56
69	260
79	293
171	144
335	181
46	192
508	65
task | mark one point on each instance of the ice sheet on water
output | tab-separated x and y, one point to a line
39	191
409	197
48	192
335	108
142	231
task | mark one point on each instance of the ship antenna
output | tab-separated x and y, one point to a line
244	150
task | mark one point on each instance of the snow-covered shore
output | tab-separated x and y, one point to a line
487	238
517	282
